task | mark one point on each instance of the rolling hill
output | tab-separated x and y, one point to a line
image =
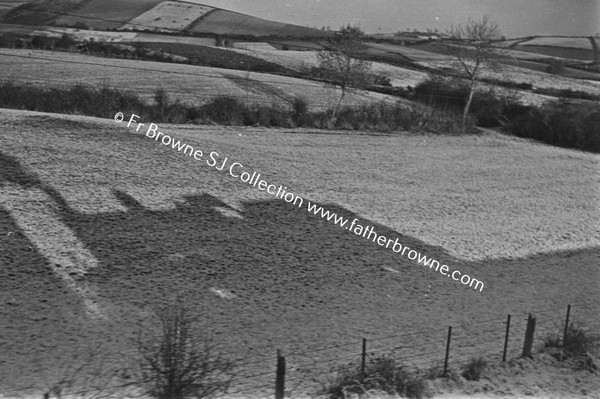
187	83
100	225
148	15
148	223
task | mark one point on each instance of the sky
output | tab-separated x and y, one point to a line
516	18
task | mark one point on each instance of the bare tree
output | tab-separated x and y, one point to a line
471	45
340	63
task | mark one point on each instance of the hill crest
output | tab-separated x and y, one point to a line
166	16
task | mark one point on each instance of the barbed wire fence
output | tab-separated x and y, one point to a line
266	371
436	351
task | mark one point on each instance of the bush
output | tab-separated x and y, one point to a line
80	25
474	369
446	122
80	99
577	342
451	96
6	40
267	116
300	111
487	108
512	110
225	110
167	111
437	371
105	101
380	117
382	80
381	373
66	41
180	362
562	123
555	66
442	93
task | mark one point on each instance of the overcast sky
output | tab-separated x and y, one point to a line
514	17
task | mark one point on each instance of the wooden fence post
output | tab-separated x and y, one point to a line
447	350
506	339
566	333
363	360
529	333
280	378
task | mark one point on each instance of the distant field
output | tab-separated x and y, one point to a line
17	28
574	48
97	35
157	14
254	46
566	42
514	52
158	38
42	12
220	57
562	52
168	16
572	73
296	45
225	22
301	60
411	52
7	5
295	60
191	84
108	36
530	72
118	11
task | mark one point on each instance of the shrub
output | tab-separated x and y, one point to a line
104	102
487	108
508	84
512	110
382	80
446	122
441	93
562	123
6	39
166	111
382	373
79	25
300	111
267	116
78	99
66	41
555	66
380	117
575	347
225	110
576	343
180	362
450	96
437	371
474	369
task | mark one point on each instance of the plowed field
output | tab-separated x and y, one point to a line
99	225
